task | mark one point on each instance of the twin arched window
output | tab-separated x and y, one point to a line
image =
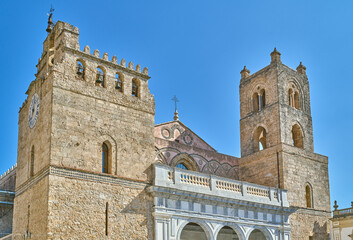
293	97
259	100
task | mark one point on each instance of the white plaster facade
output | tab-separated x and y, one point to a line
212	202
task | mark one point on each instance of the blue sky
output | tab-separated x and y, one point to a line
196	49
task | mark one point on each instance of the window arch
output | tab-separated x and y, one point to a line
106	158
297	136
31	167
135	90
259	100
182	166
184	161
293	97
80	69
260	139
119	82
100	77
308	196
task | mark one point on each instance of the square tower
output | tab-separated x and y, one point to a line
277	143
85	146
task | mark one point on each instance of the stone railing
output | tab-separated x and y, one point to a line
184	180
346	211
7	197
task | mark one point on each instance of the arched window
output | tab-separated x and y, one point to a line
227	233
119	82
193	231
293	97
105	158
259	100
135	88
308	196
31	171
100	77
255	100
257	235
182	166
260	141
297	136
80	69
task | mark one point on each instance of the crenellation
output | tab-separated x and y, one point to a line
131	65
96	53
87	49
123	62
138	68
145	70
105	56
115	59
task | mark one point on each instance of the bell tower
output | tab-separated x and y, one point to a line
85	145
277	143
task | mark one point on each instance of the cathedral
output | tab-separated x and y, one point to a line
92	164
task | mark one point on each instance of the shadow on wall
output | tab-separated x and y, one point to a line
142	204
320	232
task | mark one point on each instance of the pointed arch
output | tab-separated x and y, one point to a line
297	136
186	160
136	88
31	167
80	69
101	77
309	195
260	139
119	81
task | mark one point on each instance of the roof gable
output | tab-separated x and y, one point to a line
176	131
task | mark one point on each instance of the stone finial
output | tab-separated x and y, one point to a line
123	62
87	49
335	206
96	53
105	56
114	59
131	65
245	72
301	68
275	56
145	70
138	68
176	115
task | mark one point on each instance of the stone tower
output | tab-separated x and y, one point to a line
277	144
85	146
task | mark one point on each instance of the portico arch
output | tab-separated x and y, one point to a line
259	234
194	230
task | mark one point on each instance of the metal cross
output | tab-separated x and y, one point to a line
175	101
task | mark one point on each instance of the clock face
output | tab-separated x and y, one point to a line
33	110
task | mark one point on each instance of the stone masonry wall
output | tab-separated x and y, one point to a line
6	213
268	117
77	210
31	212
